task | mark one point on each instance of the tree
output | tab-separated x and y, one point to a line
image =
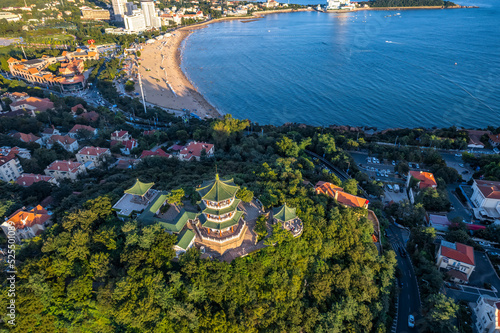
138	53
226	128
129	86
288	147
327	143
175	197
350	186
441	314
244	194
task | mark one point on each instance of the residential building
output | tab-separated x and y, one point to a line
28	179
15	96
135	22
438	222
91	116
10	17
83	129
475	138
425	179
288	218
457	260
486	199
49	131
67	142
65	170
94	14
130	7
494	139
118	9
155	153
127	145
150	14
27	138
120	136
16	151
32	105
94	155
343	198
10	168
487	314
26	224
77	107
193	151
135	199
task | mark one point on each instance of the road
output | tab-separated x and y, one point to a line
409	298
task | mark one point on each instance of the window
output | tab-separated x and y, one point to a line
445	260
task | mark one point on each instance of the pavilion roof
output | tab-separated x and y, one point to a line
214	211
220	225
185	238
218	190
178	222
284	213
139	188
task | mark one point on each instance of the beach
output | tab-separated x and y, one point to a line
164	82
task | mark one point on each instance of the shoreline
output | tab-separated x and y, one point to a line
176	91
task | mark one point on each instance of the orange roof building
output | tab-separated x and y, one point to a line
426	179
26	224
338	194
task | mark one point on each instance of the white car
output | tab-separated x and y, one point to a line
393	162
411	321
458	155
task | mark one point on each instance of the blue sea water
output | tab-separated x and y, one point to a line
370	68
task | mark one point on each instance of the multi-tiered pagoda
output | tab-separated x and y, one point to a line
220	221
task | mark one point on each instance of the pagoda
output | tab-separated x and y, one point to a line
220	221
287	216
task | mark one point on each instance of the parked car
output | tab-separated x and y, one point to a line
389	187
496	254
411	321
458	155
417	166
396	188
496	150
393	162
368	160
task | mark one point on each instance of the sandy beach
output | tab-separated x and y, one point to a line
164	82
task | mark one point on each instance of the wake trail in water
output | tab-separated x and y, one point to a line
440	75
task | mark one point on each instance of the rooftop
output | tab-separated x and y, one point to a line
458	251
28	179
67	166
93	151
139	188
490	189
22	218
284	213
218	190
195	148
426	179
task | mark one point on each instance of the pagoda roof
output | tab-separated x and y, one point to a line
214	211
148	215
185	238
178	222
218	189
139	188
284	213
220	225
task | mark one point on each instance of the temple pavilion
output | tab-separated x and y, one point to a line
135	199
287	216
220	222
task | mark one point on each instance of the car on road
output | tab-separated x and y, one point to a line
458	155
402	252
483	243
496	254
411	321
393	162
496	150
461	165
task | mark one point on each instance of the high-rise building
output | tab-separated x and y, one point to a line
150	14
130	8
135	22
119	9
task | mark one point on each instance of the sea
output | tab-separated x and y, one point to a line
383	69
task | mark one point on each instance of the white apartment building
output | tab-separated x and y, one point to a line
65	170
95	155
135	22
118	9
10	168
487	311
150	14
486	198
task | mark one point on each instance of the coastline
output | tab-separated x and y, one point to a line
170	87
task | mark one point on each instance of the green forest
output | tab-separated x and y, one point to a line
91	272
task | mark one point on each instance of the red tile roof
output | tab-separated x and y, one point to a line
322	187
78	127
93	151
490	189
90	116
426	179
28	179
195	148
458	275
338	193
118	134
26	137
76	107
158	152
21	219
64	166
65	140
6	159
494	137
39	103
462	253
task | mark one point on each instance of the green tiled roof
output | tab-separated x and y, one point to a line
185	238
148	215
214	211
178	223
218	190
139	188
284	213
222	225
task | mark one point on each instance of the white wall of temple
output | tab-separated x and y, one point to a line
220	218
